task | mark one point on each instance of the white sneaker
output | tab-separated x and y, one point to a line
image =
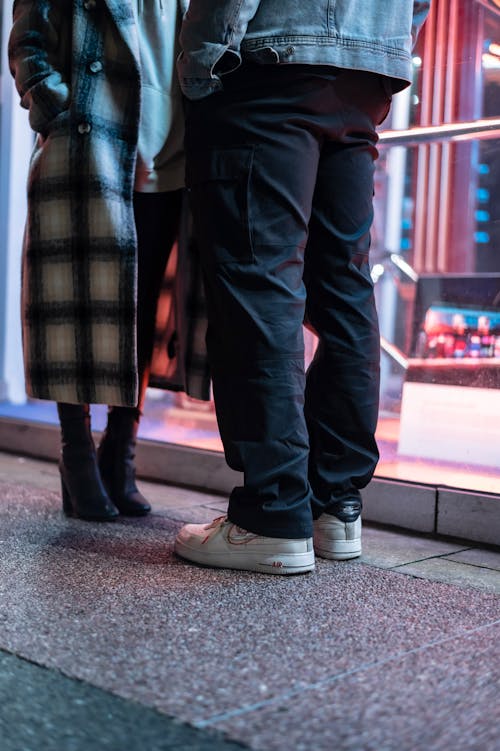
336	539
224	545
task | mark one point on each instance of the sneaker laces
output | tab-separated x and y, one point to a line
217	522
213	527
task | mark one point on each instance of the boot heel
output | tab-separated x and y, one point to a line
83	494
66	500
96	506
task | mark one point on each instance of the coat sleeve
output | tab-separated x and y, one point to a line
420	11
40	33
210	38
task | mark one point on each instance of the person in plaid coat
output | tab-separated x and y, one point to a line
104	208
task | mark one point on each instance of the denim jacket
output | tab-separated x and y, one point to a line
373	35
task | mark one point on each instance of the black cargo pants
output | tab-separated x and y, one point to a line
280	171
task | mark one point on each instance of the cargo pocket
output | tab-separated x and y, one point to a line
218	182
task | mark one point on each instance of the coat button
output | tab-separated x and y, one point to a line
84	128
95	66
89	4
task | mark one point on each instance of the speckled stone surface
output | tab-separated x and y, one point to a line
351	656
439	697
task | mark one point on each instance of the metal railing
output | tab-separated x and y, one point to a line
420	134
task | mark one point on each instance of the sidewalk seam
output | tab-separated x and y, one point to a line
245	709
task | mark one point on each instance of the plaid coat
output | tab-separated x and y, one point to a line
75	64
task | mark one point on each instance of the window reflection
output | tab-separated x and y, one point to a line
438	291
436	266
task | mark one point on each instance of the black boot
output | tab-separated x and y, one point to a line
83	493
116	454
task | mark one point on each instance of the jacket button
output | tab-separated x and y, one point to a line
89	4
289	51
95	66
84	128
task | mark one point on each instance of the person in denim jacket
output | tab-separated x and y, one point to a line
284	101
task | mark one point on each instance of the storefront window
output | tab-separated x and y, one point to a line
435	262
15	143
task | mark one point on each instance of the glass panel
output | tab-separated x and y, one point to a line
16	142
437	268
436	264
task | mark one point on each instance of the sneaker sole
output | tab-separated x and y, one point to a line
339	550
286	564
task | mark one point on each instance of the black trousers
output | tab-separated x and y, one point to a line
157	217
280	170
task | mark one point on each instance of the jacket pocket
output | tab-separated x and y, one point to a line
218	182
46	101
59	124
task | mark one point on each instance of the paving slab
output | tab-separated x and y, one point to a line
198	514
30	472
110	605
437	697
461	574
387	548
478	557
33	473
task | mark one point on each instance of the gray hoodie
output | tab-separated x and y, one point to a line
160	158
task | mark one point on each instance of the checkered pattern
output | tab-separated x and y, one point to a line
179	356
79	262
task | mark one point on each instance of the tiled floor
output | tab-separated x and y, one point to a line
109	641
